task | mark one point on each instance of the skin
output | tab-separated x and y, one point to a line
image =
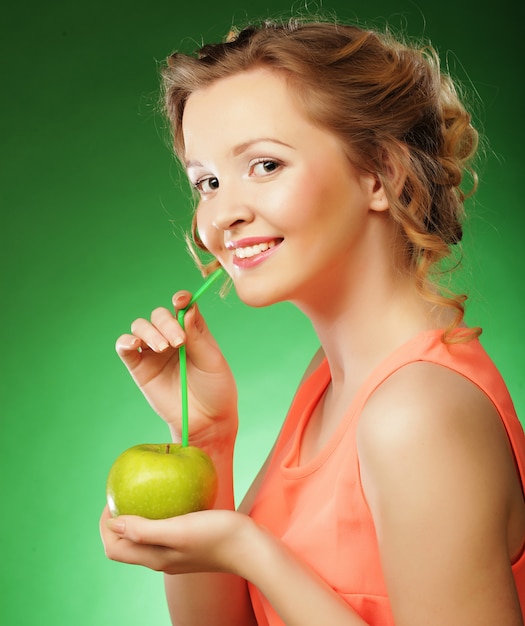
427	438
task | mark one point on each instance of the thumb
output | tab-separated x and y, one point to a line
134	528
201	346
116	525
141	530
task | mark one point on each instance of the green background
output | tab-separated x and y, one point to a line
92	214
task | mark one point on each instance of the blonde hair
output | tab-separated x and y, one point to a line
388	102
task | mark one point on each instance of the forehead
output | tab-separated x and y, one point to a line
258	102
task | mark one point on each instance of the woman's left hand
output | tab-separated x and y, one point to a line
205	541
229	542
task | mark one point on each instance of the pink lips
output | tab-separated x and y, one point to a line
256	258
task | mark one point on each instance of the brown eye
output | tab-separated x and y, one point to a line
263	167
207	185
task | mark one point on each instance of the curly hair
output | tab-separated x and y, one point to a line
387	100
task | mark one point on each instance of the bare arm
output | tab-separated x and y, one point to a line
206	599
219	598
194	552
234	546
295	591
151	355
207	558
199	591
442	488
299	596
440	481
211	598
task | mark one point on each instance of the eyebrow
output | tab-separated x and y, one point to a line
242	147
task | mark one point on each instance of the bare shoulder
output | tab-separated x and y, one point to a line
440	480
425	403
436	420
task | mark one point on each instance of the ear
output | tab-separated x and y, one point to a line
389	184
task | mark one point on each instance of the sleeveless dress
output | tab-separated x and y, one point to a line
319	510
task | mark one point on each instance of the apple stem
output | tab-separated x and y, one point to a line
182	352
167	448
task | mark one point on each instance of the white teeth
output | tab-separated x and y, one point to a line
249	251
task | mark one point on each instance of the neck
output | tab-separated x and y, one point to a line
362	316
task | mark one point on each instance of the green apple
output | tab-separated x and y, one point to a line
160	480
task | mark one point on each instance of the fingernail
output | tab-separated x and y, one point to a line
116	525
178	341
163	345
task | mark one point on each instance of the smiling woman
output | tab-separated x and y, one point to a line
275	211
330	163
402	98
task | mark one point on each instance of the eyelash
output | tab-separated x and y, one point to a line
265	161
198	185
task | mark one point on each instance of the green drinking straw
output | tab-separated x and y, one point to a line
182	352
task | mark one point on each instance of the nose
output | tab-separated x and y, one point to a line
231	210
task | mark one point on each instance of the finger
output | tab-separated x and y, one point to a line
202	348
140	541
127	343
166	323
128	348
181	299
103	519
150	335
109	538
140	530
124	550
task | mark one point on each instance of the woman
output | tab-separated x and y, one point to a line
328	162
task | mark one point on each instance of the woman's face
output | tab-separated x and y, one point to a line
280	205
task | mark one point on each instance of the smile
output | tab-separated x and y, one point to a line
250	251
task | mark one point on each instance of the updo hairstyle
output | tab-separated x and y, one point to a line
386	100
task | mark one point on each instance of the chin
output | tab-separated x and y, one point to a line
257	302
258	297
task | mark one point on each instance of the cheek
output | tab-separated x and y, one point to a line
204	229
295	201
310	198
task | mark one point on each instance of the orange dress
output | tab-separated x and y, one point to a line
319	510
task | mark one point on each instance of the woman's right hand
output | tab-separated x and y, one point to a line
151	354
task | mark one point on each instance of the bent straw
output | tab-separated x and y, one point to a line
182	352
